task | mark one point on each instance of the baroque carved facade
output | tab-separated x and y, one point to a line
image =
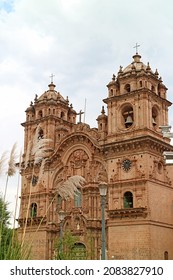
125	150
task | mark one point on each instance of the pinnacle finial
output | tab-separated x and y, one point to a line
148	67
156	73
103	110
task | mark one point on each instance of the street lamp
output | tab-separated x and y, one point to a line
61	218
166	131
103	191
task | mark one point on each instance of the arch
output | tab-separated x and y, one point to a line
40	114
79	251
128	199
69	222
153	88
69	142
155	115
33	210
166	255
127	88
111	92
40	133
62	115
127	115
69	146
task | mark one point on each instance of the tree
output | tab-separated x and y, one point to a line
64	249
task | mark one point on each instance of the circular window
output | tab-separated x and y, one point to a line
126	165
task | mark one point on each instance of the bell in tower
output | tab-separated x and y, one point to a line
128	121
154	121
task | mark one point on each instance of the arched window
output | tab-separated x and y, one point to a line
40	134
128	200
166	255
127	87
62	115
154	116
128	116
111	92
33	210
40	114
152	88
78	199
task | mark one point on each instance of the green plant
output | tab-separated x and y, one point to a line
64	249
10	247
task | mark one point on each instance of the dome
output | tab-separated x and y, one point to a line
51	94
136	65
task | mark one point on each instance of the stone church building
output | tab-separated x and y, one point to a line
126	149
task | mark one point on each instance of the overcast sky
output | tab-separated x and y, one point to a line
82	43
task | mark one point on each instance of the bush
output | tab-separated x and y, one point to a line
10	248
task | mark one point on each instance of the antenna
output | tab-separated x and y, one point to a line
84	111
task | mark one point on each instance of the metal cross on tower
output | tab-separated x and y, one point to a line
136	47
80	116
51	78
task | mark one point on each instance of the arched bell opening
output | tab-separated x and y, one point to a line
128	116
127	88
154	116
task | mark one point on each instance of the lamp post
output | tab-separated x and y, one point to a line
103	191
61	218
166	131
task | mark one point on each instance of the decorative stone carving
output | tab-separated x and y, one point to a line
78	158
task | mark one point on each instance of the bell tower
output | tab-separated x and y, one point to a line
136	102
138	176
50	118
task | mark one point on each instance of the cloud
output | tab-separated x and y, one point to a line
83	43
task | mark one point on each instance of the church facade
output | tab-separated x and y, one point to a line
125	151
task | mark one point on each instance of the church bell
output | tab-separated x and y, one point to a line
128	121
154	121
